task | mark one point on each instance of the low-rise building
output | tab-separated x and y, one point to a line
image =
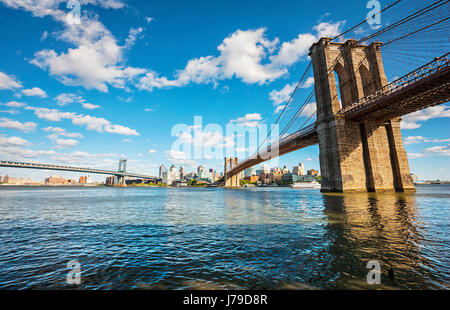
109	180
252	178
313	172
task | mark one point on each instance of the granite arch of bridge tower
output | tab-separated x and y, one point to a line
355	156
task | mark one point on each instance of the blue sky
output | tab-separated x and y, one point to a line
118	82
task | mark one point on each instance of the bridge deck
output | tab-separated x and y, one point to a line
427	86
298	140
424	87
14	164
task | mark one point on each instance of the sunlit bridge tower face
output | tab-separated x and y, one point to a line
231	180
355	155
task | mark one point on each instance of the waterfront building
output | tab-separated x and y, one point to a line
171	176
264	178
200	169
212	174
85	180
313	172
299	170
59	180
275	175
181	171
109	180
285	170
189	176
289	178
162	169
252	178
0	179
249	172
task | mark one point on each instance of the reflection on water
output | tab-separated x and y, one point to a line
262	238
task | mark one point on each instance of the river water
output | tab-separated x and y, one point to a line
213	238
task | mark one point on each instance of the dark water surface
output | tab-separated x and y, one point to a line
259	238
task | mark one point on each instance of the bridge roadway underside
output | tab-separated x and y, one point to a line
285	146
418	95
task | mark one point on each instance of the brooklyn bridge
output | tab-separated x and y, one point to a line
358	108
362	88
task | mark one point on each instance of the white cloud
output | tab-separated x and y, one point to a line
35	91
420	139
127	141
16	152
11	111
152	80
133	35
88	121
241	56
148	19
95	61
279	108
67	98
249	120
325	29
64	143
13	141
90	106
412	121
121	130
44	35
13	124
151	151
8	82
58	131
14	104
180	158
309	109
308	83
438	150
281	96
415	155
290	52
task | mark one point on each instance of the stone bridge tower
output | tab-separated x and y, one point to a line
355	156
234	180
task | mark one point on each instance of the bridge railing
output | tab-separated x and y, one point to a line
438	64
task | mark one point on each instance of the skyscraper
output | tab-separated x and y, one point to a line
299	170
200	169
162	169
181	172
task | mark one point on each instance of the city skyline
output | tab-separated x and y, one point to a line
130	84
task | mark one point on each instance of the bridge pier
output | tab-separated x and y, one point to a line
355	155
231	180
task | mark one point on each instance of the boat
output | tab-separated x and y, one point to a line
306	185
